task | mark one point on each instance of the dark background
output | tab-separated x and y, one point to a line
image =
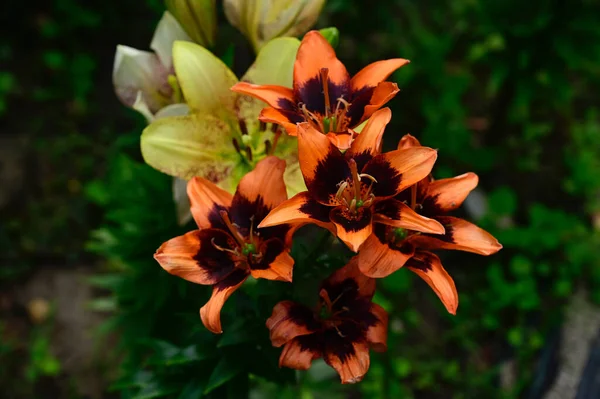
506	89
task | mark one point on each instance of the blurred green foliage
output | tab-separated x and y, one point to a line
504	89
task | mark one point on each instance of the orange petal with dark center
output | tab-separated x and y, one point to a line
194	257
460	235
316	53
342	141
300	209
290	320
448	194
275	262
368	143
283	118
298	355
351	363
377	333
379	259
353	230
399	169
260	190
408	141
211	312
372	74
365	285
392	212
207	199
429	267
275	96
323	165
383	93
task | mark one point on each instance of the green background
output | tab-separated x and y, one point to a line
506	89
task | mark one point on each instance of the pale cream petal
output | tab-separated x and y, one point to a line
172	110
188	146
135	70
167	32
181	200
274	63
204	79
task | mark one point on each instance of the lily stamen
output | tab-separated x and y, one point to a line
231	228
220	248
355	178
341	190
325	82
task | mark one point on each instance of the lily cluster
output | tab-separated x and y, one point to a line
384	206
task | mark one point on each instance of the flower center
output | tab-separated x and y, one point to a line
355	194
400	234
247	249
249	146
334	120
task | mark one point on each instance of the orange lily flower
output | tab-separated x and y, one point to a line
342	329
393	245
228	247
323	93
343	189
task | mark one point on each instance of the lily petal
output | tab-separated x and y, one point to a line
259	191
408	141
287	119
365	286
207	200
181	200
350	359
136	70
394	213
204	79
275	96
373	74
383	93
188	146
276	264
300	209
315	54
300	352
211	312
377	333
429	267
399	169
353	230
378	259
368	143
172	110
167	32
322	164
194	257
290	320
462	236
274	64
446	195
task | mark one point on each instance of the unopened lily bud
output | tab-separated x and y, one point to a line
263	20
198	18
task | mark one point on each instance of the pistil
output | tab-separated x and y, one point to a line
234	232
325	82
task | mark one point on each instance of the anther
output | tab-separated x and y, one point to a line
243	127
236	145
262	126
249	153
341	190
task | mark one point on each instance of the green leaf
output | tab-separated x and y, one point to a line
332	35
227	368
